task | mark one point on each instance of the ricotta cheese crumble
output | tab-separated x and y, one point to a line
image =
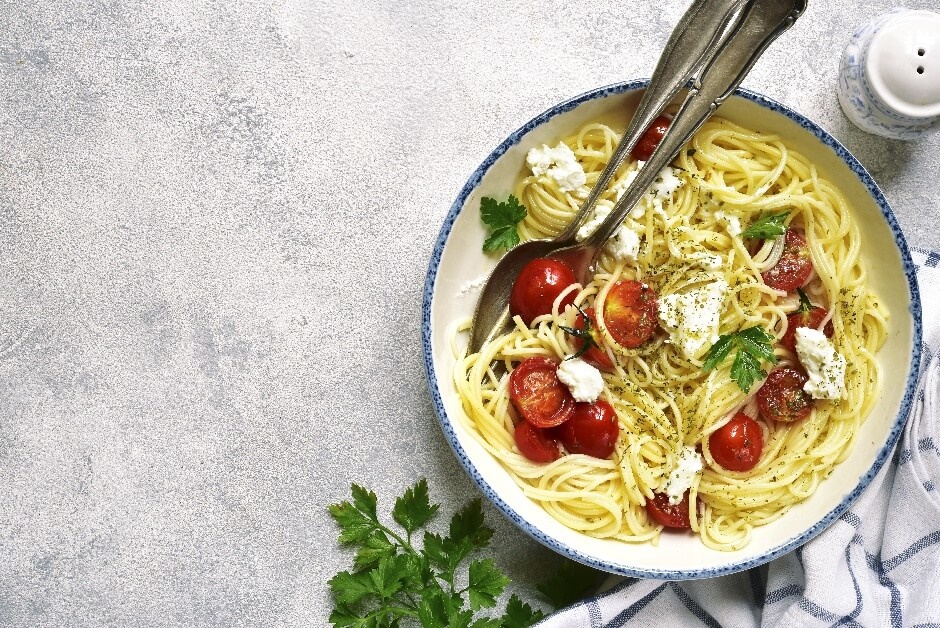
692	317
823	364
583	380
688	465
559	163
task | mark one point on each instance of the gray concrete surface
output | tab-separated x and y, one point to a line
203	204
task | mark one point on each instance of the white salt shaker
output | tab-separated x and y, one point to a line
889	78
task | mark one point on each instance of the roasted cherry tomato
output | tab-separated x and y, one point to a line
631	312
737	444
596	354
664	513
537	287
812	318
782	397
651	138
794	267
535	444
537	393
592	429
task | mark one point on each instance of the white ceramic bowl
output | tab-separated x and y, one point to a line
457	260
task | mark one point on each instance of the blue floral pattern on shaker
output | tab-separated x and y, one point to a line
859	100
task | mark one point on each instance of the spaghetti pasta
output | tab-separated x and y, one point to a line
689	232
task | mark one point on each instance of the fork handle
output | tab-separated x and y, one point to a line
763	22
693	42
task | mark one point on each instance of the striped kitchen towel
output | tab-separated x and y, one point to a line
877	565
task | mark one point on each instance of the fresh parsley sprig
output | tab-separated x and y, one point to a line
767	227
501	218
395	582
752	345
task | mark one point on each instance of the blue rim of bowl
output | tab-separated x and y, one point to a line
735	566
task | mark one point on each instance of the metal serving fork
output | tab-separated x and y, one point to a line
725	39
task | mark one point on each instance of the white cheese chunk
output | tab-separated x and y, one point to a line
621	186
583	380
666	183
709	261
692	317
824	366
472	285
625	245
559	163
601	212
688	465
732	223
541	158
660	191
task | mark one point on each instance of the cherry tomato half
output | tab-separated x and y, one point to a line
794	267
535	444
737	444
782	398
665	514
596	354
650	139
631	312
592	429
813	318
537	393
537	287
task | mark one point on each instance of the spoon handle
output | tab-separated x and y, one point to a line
693	42
763	22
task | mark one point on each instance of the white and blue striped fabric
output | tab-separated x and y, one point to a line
877	565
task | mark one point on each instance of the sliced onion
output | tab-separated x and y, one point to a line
769	254
790	303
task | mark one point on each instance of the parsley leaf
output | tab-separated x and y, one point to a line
468	524
502	219
349	588
768	226
745	370
413	509
395	581
718	352
753	345
758	343
375	547
519	614
442	610
486	583
357	520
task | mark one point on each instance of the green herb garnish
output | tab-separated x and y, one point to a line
753	345
768	226
502	219
805	304
584	334
395	582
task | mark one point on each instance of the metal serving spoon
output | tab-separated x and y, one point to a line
694	41
726	61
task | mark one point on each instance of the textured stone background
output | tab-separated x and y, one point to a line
215	221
